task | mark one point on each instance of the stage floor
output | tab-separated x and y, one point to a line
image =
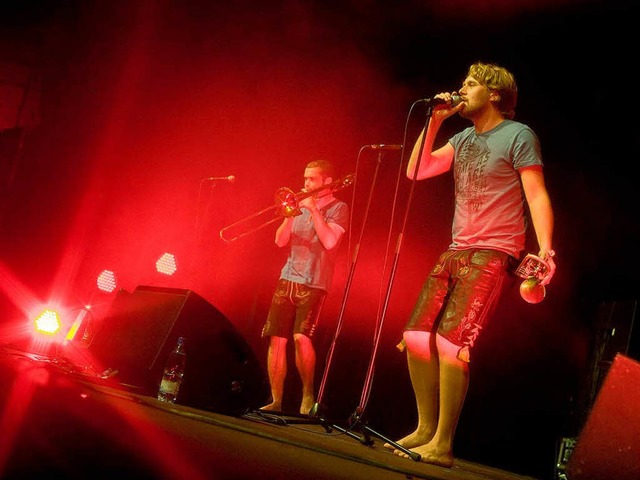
61	425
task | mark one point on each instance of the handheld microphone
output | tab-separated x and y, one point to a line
433	101
230	179
383	146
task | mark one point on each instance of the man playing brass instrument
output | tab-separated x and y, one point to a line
305	279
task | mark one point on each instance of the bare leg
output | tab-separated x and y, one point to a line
306	364
277	370
422	359
454	382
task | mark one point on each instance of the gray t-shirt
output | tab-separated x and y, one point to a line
489	200
309	262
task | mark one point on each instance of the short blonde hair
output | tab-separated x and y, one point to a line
500	80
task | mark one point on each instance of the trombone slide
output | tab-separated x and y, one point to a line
286	205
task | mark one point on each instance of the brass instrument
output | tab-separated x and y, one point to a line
532	269
286	205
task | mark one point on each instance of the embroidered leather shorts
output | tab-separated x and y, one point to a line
295	308
459	295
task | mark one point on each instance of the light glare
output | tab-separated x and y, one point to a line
48	322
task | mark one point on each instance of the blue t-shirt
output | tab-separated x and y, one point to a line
490	201
309	262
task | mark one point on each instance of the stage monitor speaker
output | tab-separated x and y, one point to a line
141	328
608	447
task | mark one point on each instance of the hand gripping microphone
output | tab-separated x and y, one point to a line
433	101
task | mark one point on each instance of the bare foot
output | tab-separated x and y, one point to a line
307	404
272	407
414	439
429	454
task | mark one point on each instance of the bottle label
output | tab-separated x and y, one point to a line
169	386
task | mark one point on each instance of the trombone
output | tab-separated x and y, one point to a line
286	205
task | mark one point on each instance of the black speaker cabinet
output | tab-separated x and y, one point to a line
141	328
608	446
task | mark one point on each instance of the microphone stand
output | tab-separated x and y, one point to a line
356	420
318	407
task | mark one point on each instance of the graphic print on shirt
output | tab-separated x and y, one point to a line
470	181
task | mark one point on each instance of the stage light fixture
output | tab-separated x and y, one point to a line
166	264
48	322
106	281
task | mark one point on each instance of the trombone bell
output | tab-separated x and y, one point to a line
531	290
288	202
532	269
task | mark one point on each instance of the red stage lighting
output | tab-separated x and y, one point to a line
106	281
47	331
48	323
166	264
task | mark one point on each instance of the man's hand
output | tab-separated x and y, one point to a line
549	258
445	110
309	203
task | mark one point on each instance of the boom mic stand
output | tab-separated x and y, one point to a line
356	420
318	408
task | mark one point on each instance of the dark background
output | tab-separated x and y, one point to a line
114	112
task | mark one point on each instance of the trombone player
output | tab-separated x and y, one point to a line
313	234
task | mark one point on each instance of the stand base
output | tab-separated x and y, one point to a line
356	424
288	418
356	421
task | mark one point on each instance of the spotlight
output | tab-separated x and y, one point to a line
48	322
106	281
166	264
46	330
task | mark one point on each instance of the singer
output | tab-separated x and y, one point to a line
497	170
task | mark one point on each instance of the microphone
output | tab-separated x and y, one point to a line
433	101
230	179
383	146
